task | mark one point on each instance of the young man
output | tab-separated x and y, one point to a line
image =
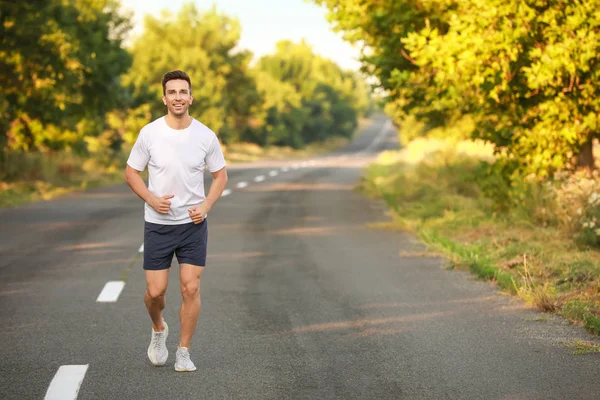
177	149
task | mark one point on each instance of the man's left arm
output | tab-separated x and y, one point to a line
198	213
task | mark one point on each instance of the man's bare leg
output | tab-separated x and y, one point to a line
156	287
189	279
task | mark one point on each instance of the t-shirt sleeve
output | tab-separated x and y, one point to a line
214	158
139	156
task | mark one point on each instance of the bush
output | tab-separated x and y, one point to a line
441	174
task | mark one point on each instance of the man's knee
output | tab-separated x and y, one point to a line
190	288
155	292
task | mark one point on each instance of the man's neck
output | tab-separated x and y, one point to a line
178	123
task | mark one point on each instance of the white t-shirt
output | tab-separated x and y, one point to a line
176	161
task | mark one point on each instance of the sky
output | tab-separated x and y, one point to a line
264	23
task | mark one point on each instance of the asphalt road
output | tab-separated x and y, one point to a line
302	299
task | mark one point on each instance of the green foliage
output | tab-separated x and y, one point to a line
322	100
592	324
59	64
577	310
282	115
202	44
379	27
290	98
532	249
69	86
580	347
526	72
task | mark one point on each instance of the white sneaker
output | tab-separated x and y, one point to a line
157	351
182	360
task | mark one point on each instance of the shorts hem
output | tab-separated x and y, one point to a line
156	269
191	262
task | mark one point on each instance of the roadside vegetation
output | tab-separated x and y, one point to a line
542	245
73	102
44	176
498	108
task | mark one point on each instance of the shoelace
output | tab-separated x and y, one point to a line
184	357
157	343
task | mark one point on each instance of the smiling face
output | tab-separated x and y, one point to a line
178	97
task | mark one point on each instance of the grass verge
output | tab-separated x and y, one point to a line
580	347
434	191
38	177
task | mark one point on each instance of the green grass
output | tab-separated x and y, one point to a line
435	193
27	178
580	347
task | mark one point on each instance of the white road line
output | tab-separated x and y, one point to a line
111	292
242	185
226	192
141	250
295	166
273	173
284	169
66	383
259	178
384	129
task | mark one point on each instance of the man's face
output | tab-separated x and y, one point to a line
178	97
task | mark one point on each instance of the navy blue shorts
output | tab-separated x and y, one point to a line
187	241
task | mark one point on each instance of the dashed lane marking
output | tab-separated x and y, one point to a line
259	178
384	129
111	291
226	192
242	185
66	383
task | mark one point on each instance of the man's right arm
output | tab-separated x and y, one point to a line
136	183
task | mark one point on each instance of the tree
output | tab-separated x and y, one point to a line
379	27
525	72
203	44
60	63
331	99
282	115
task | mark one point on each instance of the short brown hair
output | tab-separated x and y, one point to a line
177	74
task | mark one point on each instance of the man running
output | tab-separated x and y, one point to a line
177	149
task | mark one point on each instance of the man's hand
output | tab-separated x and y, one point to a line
198	213
161	204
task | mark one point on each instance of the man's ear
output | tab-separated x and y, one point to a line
191	99
164	99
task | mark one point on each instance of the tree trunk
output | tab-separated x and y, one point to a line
585	159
